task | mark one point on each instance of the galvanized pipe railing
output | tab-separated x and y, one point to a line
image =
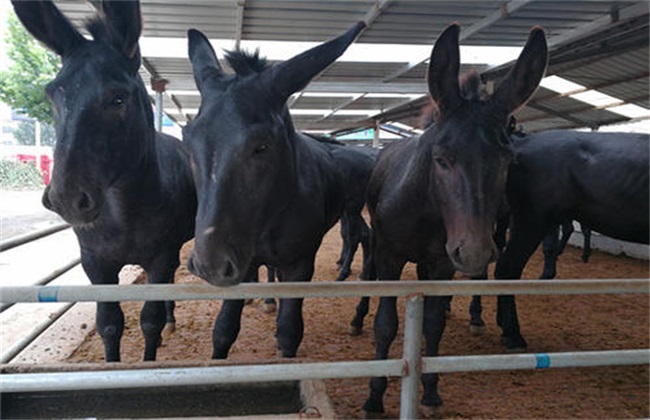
113	293
31	236
24	239
48	278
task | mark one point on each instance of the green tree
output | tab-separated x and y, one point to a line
32	66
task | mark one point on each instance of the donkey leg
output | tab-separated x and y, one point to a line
269	303
345	239
226	327
386	324
551	249
351	238
170	318
290	326
433	327
109	316
367	270
525	236
154	314
110	326
476	323
356	325
289	322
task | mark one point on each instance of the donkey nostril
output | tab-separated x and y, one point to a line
46	201
190	264
456	254
84	203
229	270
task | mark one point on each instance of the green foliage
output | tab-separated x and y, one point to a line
19	175
24	134
23	86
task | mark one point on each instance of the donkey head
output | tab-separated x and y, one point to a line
242	149
104	122
470	147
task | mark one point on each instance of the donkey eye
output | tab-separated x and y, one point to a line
118	100
261	148
442	162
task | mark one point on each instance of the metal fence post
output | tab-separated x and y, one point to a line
411	356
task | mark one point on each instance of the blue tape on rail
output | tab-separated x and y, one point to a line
48	294
543	361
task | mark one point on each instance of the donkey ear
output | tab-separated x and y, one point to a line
204	60
125	22
47	24
444	67
294	74
523	79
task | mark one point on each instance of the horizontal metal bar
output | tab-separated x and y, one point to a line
535	361
138	378
28	237
47	279
44	324
178	292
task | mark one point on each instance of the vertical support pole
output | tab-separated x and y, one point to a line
37	135
411	356
158	85
159	111
375	136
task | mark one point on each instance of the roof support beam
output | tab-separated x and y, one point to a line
375	11
377	87
487	21
343	105
598	24
239	22
564	116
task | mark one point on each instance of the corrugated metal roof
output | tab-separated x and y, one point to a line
597	44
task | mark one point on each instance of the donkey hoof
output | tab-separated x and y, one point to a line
269	308
430	411
374	409
374	415
476	330
355	331
167	332
170	327
514	344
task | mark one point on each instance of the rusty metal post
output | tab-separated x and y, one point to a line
411	356
159	86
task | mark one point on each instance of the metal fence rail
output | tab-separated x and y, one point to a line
409	367
31	236
112	293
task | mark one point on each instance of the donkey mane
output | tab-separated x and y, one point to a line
245	63
470	87
101	31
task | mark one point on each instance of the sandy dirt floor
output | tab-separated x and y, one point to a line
549	323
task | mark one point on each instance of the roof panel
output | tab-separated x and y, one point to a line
602	44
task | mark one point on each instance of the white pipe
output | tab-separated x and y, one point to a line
47	279
112	293
159	111
535	361
140	378
411	354
137	378
20	345
28	237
